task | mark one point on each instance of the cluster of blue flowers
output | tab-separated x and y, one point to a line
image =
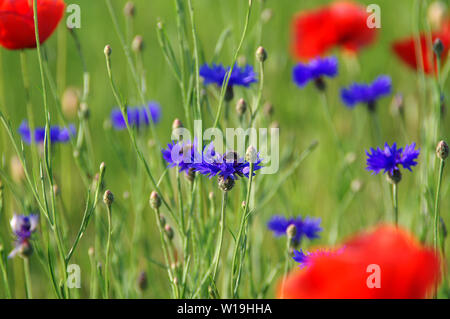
187	156
137	116
305	227
216	74
356	93
23	227
57	134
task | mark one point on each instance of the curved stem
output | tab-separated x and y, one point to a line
26	270
108	249
222	227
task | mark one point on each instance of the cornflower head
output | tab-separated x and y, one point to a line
137	116
315	71
305	227
57	134
23	227
182	154
390	158
305	258
217	74
367	93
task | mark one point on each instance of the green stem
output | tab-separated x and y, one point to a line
4	274
436	207
26	270
221	233
395	202
286	266
108	251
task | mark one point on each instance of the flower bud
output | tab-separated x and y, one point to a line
70	101
266	15
241	107
437	12
26	250
397	104
84	111
261	54
138	44
356	185
190	176
291	231
176	124
155	200
17	171
229	94
162	220
268	109
442	150
108	198
438	47
226	184
91	251
129	10
169	232
56	190
251	155
211	195
142	281
107	50
395	177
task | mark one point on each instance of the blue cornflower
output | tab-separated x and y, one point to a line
137	116
305	227
390	158
23	227
216	73
315	70
367	93
228	165
182	154
57	134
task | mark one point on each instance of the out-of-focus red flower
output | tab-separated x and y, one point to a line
405	49
342	23
407	269
17	23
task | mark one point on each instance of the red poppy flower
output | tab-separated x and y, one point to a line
406	269
406	51
17	23
342	24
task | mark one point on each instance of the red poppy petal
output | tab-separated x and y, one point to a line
407	269
17	25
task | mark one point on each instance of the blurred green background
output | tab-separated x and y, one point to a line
317	186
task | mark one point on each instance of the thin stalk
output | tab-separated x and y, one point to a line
5	275
436	206
235	284
286	266
395	202
108	252
221	235
227	78
26	270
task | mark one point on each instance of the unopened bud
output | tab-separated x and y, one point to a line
84	111
241	107
91	251
266	15
438	47
56	190
162	220
176	124
229	94
268	109
261	54
226	184
129	10
251	155
70	102
356	185
437	13
169	232
155	200
190	176
291	231
138	44
397	104
142	281
17	171
108	198
211	195
108	50
395	177
442	150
